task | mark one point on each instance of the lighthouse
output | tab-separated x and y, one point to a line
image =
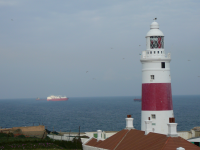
156	82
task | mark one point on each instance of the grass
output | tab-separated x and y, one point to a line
8	141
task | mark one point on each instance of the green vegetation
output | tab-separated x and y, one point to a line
8	141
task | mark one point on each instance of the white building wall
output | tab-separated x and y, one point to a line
155	64
84	140
86	147
185	134
161	75
159	125
194	140
105	134
58	137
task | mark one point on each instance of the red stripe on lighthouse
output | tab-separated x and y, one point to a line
156	96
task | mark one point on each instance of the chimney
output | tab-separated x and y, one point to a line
129	122
180	148
172	120
99	135
172	128
148	126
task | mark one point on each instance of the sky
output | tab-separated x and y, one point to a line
87	48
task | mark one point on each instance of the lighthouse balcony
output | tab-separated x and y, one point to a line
155	55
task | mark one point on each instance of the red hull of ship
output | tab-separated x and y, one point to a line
58	99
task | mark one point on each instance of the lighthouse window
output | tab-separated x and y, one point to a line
154	52
152	77
153	116
158	52
150	52
156	42
162	64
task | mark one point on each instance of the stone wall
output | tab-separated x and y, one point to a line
30	131
30	128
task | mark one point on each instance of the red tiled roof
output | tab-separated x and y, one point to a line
179	142
131	139
109	143
136	139
93	142
112	141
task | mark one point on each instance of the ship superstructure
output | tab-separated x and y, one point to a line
57	98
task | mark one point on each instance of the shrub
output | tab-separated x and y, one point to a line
54	132
3	135
21	136
48	131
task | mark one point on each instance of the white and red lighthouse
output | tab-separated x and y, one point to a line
156	82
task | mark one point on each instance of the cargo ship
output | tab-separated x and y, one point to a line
57	98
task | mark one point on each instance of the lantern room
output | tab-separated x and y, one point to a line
155	41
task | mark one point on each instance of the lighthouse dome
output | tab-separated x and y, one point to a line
154	30
154	25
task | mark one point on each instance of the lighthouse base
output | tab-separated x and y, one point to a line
160	119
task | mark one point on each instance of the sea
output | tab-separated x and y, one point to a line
91	113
